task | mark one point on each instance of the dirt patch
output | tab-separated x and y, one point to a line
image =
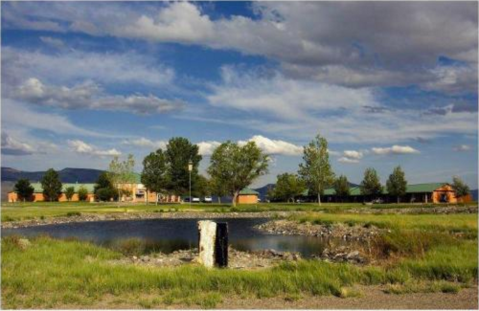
336	230
236	259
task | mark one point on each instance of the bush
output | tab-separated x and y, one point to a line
71	214
82	194
106	194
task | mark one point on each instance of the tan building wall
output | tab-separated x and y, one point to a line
39	197
445	192
247	199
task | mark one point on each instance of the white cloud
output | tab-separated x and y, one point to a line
348	160
18	116
462	148
11	146
285	98
181	21
351	156
277	147
54	42
306	38
84	148
146	143
73	66
206	148
394	150
90	96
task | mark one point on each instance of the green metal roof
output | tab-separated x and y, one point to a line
417	188
421	188
248	191
38	187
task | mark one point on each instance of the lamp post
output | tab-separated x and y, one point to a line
190	168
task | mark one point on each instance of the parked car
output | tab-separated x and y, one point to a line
195	200
208	200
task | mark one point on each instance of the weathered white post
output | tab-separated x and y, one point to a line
213	243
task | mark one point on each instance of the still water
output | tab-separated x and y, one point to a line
174	234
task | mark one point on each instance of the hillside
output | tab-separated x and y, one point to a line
67	175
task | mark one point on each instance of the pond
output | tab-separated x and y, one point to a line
168	235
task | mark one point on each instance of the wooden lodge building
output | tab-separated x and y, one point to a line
418	193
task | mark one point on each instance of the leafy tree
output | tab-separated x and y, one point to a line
155	175
461	188
121	173
104	189
218	188
370	186
202	187
316	170
82	193
397	184
24	189
236	167
288	186
341	187
69	192
51	184
179	152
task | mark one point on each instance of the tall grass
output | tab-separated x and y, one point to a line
52	272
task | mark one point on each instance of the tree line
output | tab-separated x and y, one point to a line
232	168
315	174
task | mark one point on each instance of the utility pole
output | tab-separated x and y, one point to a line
190	168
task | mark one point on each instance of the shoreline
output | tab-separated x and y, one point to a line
139	216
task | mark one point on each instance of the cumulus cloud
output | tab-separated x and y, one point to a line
145	143
275	147
90	96
84	148
308	39
462	148
206	148
11	146
394	150
351	156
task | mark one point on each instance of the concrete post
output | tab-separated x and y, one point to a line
213	244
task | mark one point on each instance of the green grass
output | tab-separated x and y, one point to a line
52	273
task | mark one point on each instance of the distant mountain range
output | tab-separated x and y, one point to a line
474	194
67	175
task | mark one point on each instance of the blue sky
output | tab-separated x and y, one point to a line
386	83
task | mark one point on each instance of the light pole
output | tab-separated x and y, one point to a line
190	168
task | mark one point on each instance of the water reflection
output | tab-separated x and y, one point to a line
168	235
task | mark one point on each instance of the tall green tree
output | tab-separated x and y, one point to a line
179	152
51	184
121	173
104	189
316	170
460	187
371	186
396	183
237	166
202	187
24	189
341	187
69	192
288	186
155	174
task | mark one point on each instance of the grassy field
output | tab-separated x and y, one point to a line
418	254
23	211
